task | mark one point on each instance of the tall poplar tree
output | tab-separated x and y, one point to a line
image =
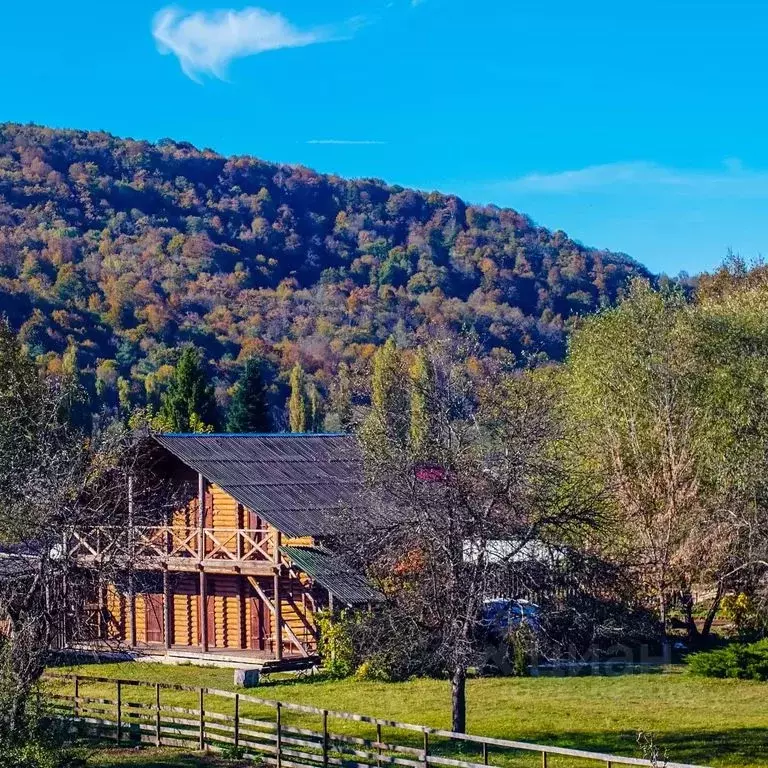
316	409
388	418
188	404
422	402
297	403
248	410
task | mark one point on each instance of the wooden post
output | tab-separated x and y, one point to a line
278	618
157	714
325	738
543	760
132	608
203	613
279	735
77	695
378	748
202	720
485	753
238	534
426	748
100	620
65	596
201	517
119	711
278	606
237	720
131	586
242	612
167	610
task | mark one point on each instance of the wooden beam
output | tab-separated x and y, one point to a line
302	616
131	579
132	609
167	609
278	617
260	592
242	612
278	612
203	613
201	516
100	622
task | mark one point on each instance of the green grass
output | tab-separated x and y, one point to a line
704	721
155	758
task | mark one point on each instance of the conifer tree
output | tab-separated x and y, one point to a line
188	404
248	411
297	403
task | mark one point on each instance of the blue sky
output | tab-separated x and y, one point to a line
636	126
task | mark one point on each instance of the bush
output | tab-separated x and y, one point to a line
336	644
745	662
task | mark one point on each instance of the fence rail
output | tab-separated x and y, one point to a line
283	744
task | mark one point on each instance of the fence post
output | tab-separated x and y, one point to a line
325	738
485	753
77	696
279	739
202	720
119	712
237	720
543	760
426	748
157	714
378	749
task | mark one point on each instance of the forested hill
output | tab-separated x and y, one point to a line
114	252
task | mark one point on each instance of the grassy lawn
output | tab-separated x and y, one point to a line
155	758
704	721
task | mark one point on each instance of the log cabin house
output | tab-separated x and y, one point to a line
239	570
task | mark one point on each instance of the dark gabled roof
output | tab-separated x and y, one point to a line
294	481
330	571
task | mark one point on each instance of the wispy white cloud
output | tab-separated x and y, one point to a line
732	179
206	42
348	142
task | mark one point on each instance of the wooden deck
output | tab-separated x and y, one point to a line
217	657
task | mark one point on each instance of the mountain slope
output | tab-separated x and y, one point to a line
113	252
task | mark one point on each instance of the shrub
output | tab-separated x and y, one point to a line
745	662
336	644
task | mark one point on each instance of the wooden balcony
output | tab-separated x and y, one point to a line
178	548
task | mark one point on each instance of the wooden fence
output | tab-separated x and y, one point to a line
282	740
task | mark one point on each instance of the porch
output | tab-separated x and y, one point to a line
230	658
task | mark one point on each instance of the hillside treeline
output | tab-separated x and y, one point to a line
115	253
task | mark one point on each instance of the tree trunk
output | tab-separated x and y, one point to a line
459	699
712	612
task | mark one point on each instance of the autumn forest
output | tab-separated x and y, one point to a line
115	254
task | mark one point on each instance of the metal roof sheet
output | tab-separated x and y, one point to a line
329	570
295	482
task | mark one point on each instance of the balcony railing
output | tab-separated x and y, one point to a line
165	542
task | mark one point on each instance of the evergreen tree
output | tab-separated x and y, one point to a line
297	403
248	411
188	404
